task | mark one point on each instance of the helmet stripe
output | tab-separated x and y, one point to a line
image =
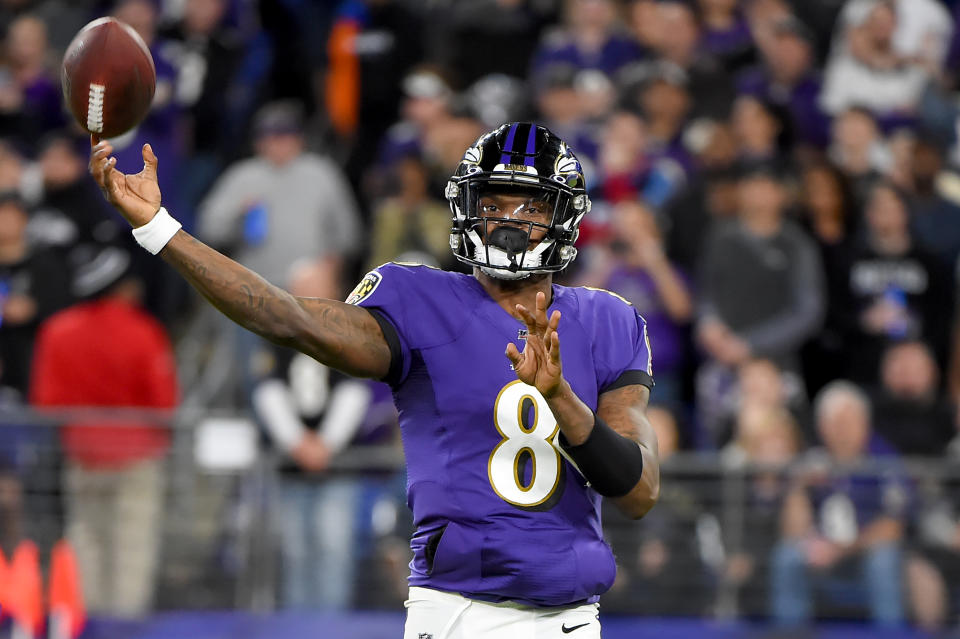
531	146
508	145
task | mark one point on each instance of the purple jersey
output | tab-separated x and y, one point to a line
500	513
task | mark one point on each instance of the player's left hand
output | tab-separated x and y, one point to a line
539	363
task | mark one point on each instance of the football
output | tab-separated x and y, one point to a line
108	78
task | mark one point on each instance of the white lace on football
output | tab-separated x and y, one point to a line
95	108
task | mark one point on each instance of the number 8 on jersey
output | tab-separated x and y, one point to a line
528	428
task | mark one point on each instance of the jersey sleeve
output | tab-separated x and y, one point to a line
622	346
381	292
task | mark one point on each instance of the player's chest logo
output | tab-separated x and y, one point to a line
522	333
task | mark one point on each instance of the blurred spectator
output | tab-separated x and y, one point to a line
207	56
761	290
935	218
284	204
410	221
859	151
589	38
19	176
677	44
709	198
725	33
660	93
504	30
652	552
72	210
908	408
311	413
760	131
767	443
764	16
827	209
842	529
106	352
33	286
497	98
788	79
896	290
760	386
371	47
932	568
871	66
643	20
627	169
635	266
425	105
560	107
30	102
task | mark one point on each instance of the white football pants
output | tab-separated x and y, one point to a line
433	614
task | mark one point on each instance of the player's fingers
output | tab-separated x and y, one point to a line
541	315
554	321
150	162
110	175
553	347
513	354
100	152
527	318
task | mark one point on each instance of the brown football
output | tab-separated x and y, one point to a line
108	77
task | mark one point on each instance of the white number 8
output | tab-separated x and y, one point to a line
526	438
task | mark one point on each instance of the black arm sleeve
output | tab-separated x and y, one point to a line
611	463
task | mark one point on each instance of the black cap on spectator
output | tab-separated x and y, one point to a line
279	118
12	197
98	269
771	170
556	76
794	27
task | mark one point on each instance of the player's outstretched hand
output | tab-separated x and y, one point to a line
137	197
539	362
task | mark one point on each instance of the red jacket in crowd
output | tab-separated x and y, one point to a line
106	353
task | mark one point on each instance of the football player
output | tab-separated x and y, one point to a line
522	403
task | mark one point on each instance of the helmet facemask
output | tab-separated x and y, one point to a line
517	159
509	245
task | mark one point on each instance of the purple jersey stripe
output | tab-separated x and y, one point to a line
531	146
508	145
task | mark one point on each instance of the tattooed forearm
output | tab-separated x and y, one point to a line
337	334
624	409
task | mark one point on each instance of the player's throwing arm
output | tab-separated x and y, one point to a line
340	335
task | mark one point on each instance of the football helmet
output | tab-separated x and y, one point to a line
526	159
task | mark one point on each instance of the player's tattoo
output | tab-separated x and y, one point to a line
340	335
623	408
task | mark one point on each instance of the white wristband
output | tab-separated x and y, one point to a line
155	234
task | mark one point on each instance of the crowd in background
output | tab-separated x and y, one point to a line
775	187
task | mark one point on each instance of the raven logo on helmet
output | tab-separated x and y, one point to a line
522	158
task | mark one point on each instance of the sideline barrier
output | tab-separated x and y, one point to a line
386	625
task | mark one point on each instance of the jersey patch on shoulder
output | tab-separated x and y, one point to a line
365	288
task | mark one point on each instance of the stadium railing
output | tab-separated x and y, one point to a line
703	551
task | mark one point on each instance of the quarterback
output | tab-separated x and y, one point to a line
522	403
